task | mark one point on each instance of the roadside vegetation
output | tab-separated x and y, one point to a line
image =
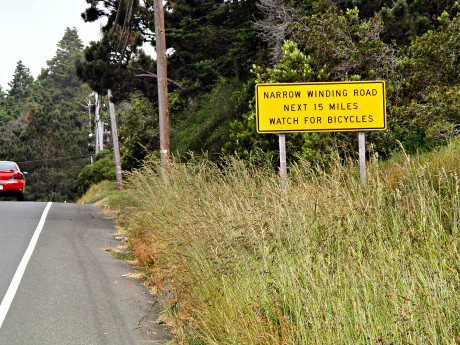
238	261
235	259
218	51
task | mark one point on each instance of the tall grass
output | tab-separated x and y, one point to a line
326	262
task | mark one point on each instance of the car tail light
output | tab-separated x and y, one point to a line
17	176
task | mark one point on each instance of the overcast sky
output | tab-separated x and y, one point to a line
31	29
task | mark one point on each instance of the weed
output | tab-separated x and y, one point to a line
123	256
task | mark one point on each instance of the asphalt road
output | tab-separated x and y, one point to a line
71	290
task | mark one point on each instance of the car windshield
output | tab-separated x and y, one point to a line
7	166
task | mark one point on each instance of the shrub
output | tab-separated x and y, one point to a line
102	169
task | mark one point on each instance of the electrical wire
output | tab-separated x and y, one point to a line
53	159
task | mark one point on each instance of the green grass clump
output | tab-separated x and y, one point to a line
123	255
326	262
101	193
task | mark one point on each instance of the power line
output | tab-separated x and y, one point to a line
53	159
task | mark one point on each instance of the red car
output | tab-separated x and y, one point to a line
11	180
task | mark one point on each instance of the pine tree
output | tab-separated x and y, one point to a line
116	60
21	85
403	19
59	77
3	113
20	92
51	135
212	39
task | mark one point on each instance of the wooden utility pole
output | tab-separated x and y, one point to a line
162	81
90	126
116	149
98	124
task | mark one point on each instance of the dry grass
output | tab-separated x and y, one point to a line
326	262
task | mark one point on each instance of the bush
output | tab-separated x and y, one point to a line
138	133
102	169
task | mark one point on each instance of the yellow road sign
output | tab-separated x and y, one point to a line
321	107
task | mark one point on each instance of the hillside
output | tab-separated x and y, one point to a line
326	262
57	126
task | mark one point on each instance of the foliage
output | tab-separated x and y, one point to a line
208	39
139	133
341	46
326	46
3	111
101	70
102	169
214	44
21	84
403	19
116	61
433	50
293	66
326	262
50	149
16	101
211	39
48	138
329	44
204	127
429	113
60	70
99	193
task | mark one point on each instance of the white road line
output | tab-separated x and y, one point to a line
8	299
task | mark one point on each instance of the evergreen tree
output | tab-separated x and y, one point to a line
116	61
59	75
214	44
403	19
3	114
60	81
212	39
208	39
53	138
333	44
50	137
21	85
428	114
20	92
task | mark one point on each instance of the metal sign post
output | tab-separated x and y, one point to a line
283	170
362	157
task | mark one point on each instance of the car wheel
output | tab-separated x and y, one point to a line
20	197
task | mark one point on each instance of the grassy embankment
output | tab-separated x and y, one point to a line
327	262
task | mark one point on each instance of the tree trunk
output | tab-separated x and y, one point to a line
116	150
